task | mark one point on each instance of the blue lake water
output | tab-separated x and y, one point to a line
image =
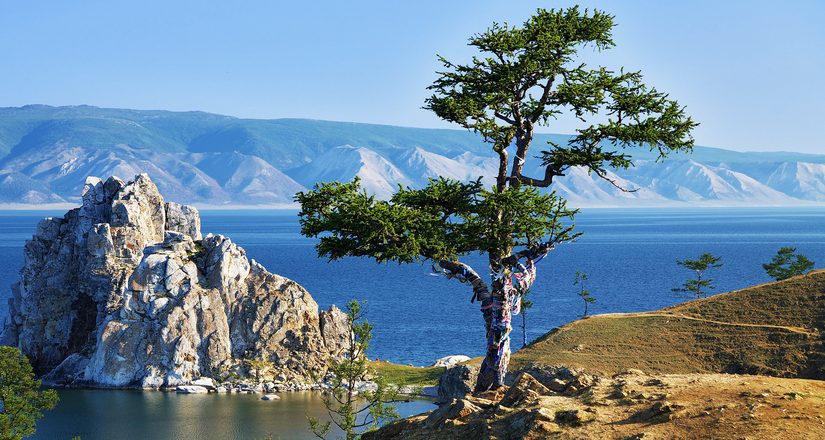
629	254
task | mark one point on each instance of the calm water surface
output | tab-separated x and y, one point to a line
629	254
143	415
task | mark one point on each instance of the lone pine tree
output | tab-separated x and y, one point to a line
700	285
524	77
787	263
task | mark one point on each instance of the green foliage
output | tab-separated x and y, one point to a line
528	76
700	285
443	220
21	400
787	263
583	293
522	78
349	409
403	375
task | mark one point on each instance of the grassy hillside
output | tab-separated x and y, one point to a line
772	329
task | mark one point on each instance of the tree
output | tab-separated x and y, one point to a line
787	263
698	286
349	409
21	400
525	304
584	294
524	78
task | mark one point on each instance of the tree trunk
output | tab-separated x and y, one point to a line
523	324
497	313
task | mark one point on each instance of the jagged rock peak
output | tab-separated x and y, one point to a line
125	292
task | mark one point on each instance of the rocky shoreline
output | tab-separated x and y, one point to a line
125	292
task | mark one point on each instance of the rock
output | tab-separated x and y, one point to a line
221	389
429	391
563	379
69	371
204	382
270	397
630	372
191	389
449	361
457	381
184	219
574	417
124	292
335	329
456	408
525	389
580	383
659	412
365	386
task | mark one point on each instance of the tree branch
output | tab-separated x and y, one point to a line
466	274
613	182
505	118
550	172
545	96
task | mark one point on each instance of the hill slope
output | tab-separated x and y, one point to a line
774	329
657	375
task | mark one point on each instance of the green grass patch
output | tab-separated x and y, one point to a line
408	375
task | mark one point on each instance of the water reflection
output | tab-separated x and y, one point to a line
139	415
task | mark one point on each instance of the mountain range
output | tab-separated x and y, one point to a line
212	160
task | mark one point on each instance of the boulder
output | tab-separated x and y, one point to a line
429	391
125	292
270	397
191	389
455	409
525	389
456	382
449	361
204	382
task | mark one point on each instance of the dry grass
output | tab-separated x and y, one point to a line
772	329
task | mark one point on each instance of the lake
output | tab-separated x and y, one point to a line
629	254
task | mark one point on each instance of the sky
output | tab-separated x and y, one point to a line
750	72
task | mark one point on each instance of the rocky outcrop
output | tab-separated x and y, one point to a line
449	361
124	292
457	381
632	405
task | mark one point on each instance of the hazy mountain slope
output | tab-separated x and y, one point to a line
798	179
248	179
46	153
244	179
378	175
19	188
688	180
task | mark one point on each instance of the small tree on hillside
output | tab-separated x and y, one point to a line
524	78
21	400
787	263
349	409
525	304
700	285
584	294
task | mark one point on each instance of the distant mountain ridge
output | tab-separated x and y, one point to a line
194	157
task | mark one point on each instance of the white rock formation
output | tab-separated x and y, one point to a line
449	361
191	389
124	292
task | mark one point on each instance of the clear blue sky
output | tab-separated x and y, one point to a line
753	73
